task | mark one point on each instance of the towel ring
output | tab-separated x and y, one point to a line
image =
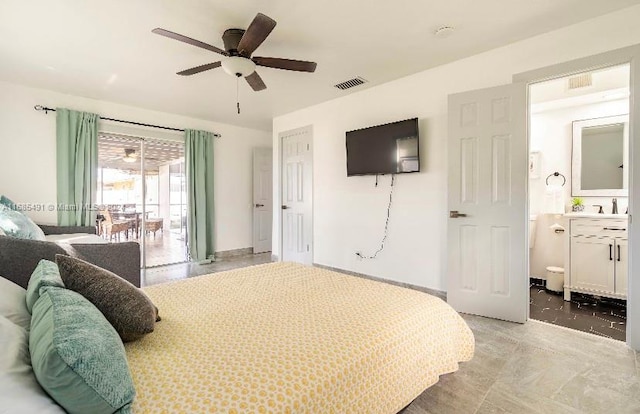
556	174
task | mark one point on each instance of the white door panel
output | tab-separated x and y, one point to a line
297	223
262	199
487	272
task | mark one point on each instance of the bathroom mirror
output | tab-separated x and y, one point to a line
600	157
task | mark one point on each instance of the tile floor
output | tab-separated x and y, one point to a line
155	275
603	317
517	368
536	368
164	248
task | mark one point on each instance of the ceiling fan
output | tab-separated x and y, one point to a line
239	44
130	155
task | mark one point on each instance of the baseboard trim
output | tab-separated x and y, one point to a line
275	258
226	254
438	293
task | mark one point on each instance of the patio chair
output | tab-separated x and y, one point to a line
154	224
111	227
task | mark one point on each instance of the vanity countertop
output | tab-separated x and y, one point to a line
595	215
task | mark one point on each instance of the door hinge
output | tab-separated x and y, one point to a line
308	147
307	247
629	219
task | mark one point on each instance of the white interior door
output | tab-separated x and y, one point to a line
262	199
297	182
487	246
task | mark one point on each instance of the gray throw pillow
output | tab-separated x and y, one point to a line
126	307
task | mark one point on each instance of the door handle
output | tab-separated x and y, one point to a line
285	207
455	214
618	252
259	205
610	251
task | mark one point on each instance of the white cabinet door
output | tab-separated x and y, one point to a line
593	263
622	266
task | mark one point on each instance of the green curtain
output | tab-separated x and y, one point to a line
199	166
77	163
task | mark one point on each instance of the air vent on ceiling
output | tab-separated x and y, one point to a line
348	84
580	81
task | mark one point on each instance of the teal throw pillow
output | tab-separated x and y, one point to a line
77	356
15	224
7	202
45	274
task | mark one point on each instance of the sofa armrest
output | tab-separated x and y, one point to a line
19	257
47	229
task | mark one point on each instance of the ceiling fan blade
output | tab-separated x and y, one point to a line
200	68
188	40
255	34
286	64
255	81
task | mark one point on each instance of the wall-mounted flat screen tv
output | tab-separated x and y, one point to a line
384	149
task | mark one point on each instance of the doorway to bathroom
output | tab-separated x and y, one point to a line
578	200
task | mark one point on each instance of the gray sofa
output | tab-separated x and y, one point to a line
18	257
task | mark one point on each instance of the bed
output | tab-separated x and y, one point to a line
277	338
289	338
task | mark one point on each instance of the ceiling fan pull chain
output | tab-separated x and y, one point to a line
238	93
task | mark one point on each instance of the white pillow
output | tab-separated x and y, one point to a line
21	392
13	304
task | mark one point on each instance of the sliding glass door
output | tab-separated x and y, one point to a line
142	194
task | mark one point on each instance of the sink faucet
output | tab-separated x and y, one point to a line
614	209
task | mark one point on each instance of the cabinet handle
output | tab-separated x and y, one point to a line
610	252
618	252
614	229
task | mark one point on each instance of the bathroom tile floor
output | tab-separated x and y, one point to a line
602	317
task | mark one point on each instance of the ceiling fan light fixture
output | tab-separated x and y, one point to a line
238	66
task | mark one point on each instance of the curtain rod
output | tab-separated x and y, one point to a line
46	110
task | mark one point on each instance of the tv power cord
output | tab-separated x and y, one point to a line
386	224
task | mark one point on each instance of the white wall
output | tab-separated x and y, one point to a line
28	160
349	213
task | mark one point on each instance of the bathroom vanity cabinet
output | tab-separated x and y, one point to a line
596	259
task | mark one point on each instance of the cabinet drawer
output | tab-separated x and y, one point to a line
599	227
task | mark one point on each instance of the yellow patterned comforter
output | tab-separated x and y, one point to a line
287	338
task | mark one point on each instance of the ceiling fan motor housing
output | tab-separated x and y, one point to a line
231	39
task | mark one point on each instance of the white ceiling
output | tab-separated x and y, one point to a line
105	49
